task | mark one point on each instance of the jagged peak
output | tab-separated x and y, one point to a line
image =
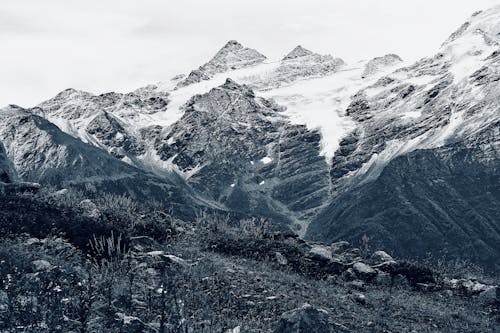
485	22
378	63
13	108
232	45
297	52
230	84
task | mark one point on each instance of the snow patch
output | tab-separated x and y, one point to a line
266	160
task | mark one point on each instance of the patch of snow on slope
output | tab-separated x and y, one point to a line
266	160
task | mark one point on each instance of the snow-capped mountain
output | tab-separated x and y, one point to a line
423	159
42	153
401	152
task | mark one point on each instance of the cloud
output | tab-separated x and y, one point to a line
11	23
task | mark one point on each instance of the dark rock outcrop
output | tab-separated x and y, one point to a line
305	319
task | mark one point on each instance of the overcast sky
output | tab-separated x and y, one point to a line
103	45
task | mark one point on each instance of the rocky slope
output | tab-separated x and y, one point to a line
425	154
41	152
7	171
242	152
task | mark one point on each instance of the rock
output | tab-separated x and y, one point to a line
364	271
352	255
348	275
321	252
339	247
426	287
474	287
383	278
359	298
381	256
281	259
490	295
357	285
132	324
237	329
305	319
41	265
89	209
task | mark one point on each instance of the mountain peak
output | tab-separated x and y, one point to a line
232	44
231	56
379	63
297	52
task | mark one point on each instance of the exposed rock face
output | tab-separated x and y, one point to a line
232	56
41	152
423	202
241	152
108	130
108	120
379	63
73	104
305	319
299	64
7	171
297	52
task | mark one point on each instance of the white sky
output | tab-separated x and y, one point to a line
103	45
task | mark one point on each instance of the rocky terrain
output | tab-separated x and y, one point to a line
65	269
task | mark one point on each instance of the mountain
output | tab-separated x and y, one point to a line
41	152
405	155
299	64
232	56
245	154
419	173
378	63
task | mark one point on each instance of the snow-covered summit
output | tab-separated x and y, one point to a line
466	50
297	52
379	63
231	56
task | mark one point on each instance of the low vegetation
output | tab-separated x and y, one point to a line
70	262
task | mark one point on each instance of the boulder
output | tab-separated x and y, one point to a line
89	209
381	256
490	296
281	259
41	265
339	247
364	271
321	252
383	278
359	298
305	319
